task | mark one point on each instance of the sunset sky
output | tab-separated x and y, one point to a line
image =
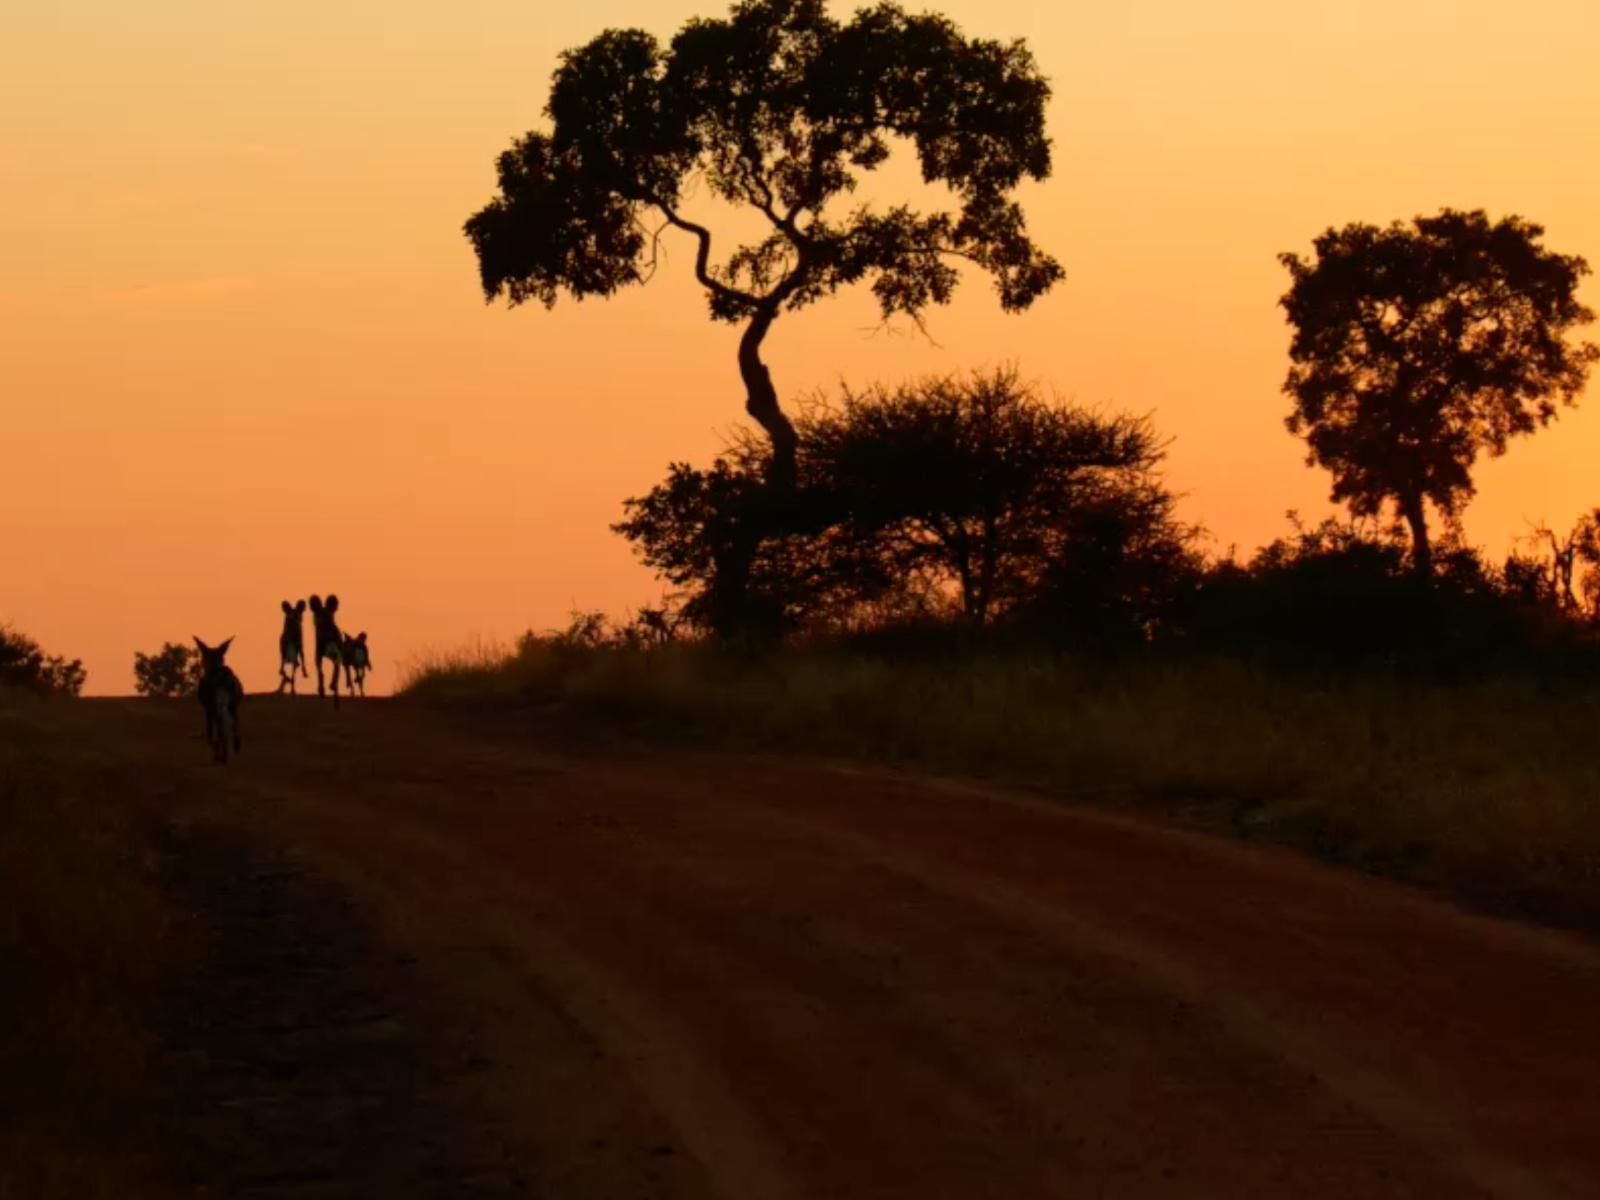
244	356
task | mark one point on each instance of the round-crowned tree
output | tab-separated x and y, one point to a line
1417	347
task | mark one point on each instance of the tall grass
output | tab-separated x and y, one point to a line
86	945
1488	790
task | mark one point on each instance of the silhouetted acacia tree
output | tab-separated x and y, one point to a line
778	109
969	490
170	672
981	482
1417	347
24	664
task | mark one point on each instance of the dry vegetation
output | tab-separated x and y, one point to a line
86	944
1489	791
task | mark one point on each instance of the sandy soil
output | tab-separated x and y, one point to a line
695	976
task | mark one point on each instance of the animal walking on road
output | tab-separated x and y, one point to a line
292	645
328	642
357	662
220	693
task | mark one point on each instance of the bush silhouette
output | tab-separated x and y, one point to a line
23	664
983	489
169	673
1346	595
971	496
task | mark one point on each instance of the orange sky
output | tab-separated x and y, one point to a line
243	355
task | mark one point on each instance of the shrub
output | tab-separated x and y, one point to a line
171	672
23	664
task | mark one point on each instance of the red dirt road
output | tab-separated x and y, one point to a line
701	976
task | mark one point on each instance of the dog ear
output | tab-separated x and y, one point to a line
286	607
204	649
316	604
223	649
362	637
299	606
332	604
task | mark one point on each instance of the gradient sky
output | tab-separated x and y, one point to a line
243	354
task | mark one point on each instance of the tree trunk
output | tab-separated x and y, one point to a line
732	609
1421	549
730	588
761	402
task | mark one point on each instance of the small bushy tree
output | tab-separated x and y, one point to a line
968	492
24	664
980	482
169	673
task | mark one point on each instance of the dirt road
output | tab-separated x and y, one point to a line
694	976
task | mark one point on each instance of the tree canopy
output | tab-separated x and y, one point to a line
978	480
1417	347
777	109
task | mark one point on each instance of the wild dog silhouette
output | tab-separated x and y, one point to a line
219	694
357	662
329	643
292	645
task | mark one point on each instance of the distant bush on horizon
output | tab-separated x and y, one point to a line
24	664
170	673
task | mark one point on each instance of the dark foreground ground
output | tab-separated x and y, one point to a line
450	962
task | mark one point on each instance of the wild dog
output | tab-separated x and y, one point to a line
292	645
357	662
219	693
328	642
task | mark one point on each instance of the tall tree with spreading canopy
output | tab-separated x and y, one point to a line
1419	346
779	109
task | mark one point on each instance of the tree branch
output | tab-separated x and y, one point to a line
655	248
702	261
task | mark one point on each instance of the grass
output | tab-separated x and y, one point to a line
86	944
1486	791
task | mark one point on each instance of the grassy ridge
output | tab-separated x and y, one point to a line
86	947
1488	791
